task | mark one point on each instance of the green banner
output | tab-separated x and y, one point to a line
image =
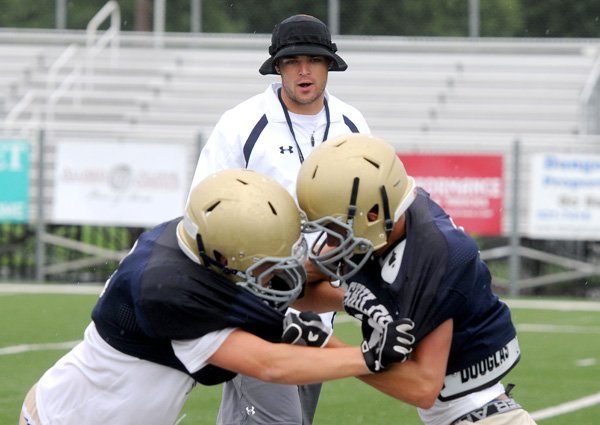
14	181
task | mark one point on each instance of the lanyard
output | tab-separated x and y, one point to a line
291	127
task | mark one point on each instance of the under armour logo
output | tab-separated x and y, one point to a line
289	149
250	410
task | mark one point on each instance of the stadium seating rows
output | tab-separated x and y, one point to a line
403	90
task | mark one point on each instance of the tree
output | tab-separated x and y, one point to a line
27	14
557	18
433	18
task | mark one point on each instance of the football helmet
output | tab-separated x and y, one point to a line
353	189
247	227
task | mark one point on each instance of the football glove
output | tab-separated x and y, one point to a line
305	328
393	346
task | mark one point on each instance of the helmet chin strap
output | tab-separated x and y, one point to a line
210	262
282	289
387	217
352	204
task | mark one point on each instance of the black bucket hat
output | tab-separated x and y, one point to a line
301	35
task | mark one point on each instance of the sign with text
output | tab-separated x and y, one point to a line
470	188
14	181
118	184
564	200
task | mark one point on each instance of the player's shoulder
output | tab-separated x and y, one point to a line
438	232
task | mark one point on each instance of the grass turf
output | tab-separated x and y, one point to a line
561	363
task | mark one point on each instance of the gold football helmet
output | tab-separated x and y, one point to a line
246	226
353	189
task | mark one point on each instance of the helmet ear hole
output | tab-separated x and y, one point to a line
221	259
373	213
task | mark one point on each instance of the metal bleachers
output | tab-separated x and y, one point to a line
509	87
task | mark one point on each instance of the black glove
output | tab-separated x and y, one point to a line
305	328
393	346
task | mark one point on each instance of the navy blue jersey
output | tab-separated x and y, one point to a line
441	277
157	294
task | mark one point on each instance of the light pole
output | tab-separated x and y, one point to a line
473	18
60	14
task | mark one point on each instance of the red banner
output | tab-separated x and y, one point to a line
469	187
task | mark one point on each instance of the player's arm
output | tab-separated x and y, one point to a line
252	356
419	380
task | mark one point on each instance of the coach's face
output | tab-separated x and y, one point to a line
304	79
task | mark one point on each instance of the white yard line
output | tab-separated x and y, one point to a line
45	288
554	305
536	327
68	288
24	348
567	407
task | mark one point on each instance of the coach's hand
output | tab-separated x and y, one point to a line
393	346
305	328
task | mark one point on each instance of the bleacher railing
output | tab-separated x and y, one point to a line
95	45
57	87
590	101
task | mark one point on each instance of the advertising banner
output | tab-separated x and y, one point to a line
117	184
14	181
564	200
470	188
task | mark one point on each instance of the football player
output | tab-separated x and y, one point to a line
198	300
399	254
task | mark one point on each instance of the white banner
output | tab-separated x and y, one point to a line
564	201
109	183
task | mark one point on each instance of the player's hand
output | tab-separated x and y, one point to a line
393	346
305	328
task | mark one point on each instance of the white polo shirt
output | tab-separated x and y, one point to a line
256	135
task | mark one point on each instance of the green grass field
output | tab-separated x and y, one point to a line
560	364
